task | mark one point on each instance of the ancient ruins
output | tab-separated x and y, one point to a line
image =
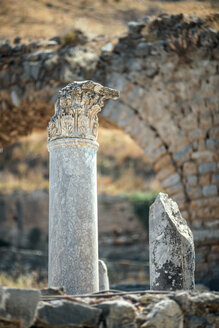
168	104
73	237
166	69
171	247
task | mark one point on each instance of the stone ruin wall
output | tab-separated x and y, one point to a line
167	72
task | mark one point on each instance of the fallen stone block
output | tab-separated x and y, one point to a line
18	307
62	314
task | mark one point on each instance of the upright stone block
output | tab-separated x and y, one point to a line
103	276
171	247
72	134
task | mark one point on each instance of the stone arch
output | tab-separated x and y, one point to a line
167	72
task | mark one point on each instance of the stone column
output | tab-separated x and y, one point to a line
72	134
171	247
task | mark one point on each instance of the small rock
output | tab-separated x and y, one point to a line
17	40
5	48
158	47
108	47
208	38
57	39
143	49
135	27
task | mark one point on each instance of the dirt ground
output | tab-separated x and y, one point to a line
40	19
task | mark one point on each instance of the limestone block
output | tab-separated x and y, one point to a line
118	314
183	155
209	190
135	98
103	276
119	113
18	306
159	152
205	179
201	156
157	143
192	180
194	192
165	172
206	236
215	178
143	49
162	162
64	314
172	256
175	189
171	180
214	132
165	313
189	168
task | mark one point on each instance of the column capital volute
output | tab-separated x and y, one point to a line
76	110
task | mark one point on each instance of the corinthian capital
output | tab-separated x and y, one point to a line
76	110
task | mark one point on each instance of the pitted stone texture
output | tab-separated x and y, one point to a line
73	245
76	110
103	276
172	256
18	307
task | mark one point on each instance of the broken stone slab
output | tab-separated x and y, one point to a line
118	314
62	314
171	247
18	307
103	276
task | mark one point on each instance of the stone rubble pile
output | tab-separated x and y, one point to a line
51	308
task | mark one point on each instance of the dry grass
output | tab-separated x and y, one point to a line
24	166
42	19
23	281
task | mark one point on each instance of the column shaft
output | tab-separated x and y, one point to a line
73	245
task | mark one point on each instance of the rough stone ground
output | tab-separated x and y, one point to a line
112	309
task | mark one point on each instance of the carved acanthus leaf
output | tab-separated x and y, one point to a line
76	110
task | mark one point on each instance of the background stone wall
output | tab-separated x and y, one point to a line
167	72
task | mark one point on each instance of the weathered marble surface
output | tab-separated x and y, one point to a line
73	244
171	247
103	276
72	135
